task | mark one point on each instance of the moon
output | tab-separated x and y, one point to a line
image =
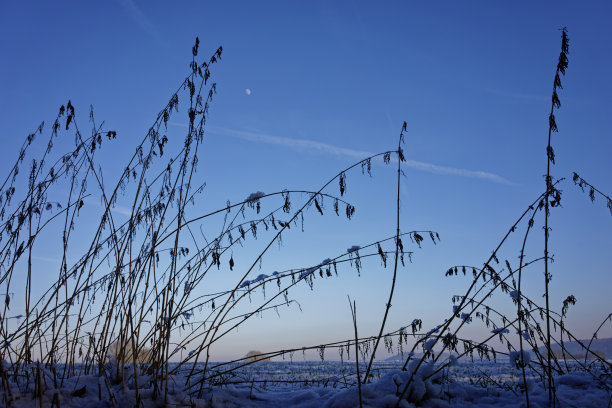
247	91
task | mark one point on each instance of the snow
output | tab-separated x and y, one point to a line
254	196
500	330
515	358
466	318
577	380
429	345
353	249
260	277
307	272
422	385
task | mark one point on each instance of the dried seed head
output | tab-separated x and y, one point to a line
318	206
342	183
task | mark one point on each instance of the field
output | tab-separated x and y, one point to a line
332	384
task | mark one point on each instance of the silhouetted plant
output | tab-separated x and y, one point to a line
136	292
582	183
552	196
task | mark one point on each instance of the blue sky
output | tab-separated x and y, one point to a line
307	88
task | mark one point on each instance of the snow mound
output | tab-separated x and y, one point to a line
254	196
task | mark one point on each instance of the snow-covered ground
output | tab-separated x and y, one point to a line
322	384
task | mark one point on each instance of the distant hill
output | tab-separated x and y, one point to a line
256	355
602	347
397	358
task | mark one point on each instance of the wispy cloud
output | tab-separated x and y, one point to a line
454	171
141	19
319	147
47	259
116	209
296	144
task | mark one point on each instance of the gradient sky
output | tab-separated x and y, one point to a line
307	88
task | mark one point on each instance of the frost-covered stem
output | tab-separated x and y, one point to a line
464	299
28	291
474	346
354	314
134	351
181	208
279	353
400	158
580	182
38	392
550	158
519	312
546	279
227	307
588	348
